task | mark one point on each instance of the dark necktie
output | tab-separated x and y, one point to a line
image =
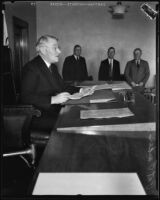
110	69
138	65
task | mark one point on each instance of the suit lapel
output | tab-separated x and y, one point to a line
140	71
114	68
45	71
74	59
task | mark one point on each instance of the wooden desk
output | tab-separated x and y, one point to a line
69	117
95	148
95	154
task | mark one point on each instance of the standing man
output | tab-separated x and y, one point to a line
42	85
74	67
137	71
109	68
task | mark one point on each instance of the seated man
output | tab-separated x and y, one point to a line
109	68
74	67
137	71
42	86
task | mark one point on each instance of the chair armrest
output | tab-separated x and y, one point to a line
26	109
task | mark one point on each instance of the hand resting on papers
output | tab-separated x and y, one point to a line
83	92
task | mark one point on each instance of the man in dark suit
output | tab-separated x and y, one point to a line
109	68
74	67
137	71
42	85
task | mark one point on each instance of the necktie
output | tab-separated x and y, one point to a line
110	68
138	64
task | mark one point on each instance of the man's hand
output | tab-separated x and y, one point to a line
87	91
60	98
133	84
141	84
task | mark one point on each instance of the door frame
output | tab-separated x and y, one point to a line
23	27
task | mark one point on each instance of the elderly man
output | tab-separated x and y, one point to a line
42	86
74	67
110	67
137	71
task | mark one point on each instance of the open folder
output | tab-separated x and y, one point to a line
106	113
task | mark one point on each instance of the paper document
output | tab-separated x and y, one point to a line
88	184
106	113
114	86
102	87
120	86
102	100
76	96
86	92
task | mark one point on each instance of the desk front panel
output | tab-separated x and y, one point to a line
99	153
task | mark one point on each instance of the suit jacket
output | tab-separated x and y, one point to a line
74	70
104	70
132	73
39	84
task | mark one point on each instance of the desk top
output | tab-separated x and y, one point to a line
69	118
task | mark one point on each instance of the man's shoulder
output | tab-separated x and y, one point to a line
32	64
144	61
104	61
81	57
130	62
69	57
116	61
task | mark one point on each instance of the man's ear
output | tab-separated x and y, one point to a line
43	50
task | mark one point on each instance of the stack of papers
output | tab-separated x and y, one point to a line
86	92
120	86
102	100
106	113
115	86
102	87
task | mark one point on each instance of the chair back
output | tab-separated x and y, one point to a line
7	78
16	128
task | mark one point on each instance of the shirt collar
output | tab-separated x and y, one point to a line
76	57
137	61
110	60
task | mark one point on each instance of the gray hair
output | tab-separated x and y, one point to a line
43	40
